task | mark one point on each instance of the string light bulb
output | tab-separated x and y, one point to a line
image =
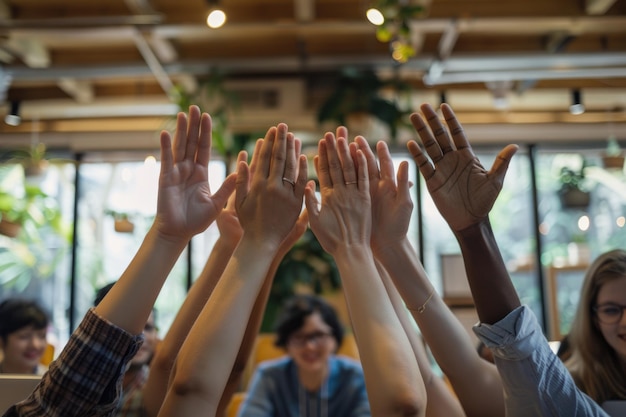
216	18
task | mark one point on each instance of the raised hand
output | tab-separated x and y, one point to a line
270	190
345	214
185	204
391	202
461	188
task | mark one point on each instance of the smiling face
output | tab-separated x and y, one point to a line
312	344
23	350
613	293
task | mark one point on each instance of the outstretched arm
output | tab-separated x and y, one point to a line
441	401
185	207
163	362
473	378
268	206
343	226
535	381
464	193
86	378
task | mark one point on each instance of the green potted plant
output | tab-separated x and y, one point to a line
572	191
33	159
357	93
613	156
122	221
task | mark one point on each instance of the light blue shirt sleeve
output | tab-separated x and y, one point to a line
536	383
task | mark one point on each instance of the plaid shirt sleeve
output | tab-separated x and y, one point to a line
86	379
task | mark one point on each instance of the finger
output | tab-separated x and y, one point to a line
242	156
349	170
426	136
321	165
444	143
256	155
291	161
311	203
167	158
362	178
402	178
385	161
278	162
180	137
423	164
203	155
242	185
262	168
501	164
342	132
334	162
221	196
456	130
302	178
372	165
193	128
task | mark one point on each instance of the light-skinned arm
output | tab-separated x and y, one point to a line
185	207
161	365
268	202
343	226
473	378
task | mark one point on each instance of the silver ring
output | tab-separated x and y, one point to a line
293	184
351	182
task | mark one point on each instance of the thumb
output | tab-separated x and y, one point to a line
501	164
222	195
310	200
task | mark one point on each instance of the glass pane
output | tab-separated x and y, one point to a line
35	263
116	208
581	206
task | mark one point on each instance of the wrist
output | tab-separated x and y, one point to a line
387	250
476	230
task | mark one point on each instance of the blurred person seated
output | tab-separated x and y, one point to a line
597	340
136	374
312	376
23	329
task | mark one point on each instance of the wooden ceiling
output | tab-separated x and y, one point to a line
108	65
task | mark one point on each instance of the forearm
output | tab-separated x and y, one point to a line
445	335
163	362
393	384
132	298
448	340
493	292
252	330
441	401
207	357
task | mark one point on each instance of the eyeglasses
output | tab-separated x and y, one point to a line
609	313
301	340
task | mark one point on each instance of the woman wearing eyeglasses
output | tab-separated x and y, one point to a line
598	335
311	380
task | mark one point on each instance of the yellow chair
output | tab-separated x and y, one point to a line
235	404
48	355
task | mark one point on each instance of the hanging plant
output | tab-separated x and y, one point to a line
358	92
396	27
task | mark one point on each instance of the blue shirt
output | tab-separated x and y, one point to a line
536	383
276	392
